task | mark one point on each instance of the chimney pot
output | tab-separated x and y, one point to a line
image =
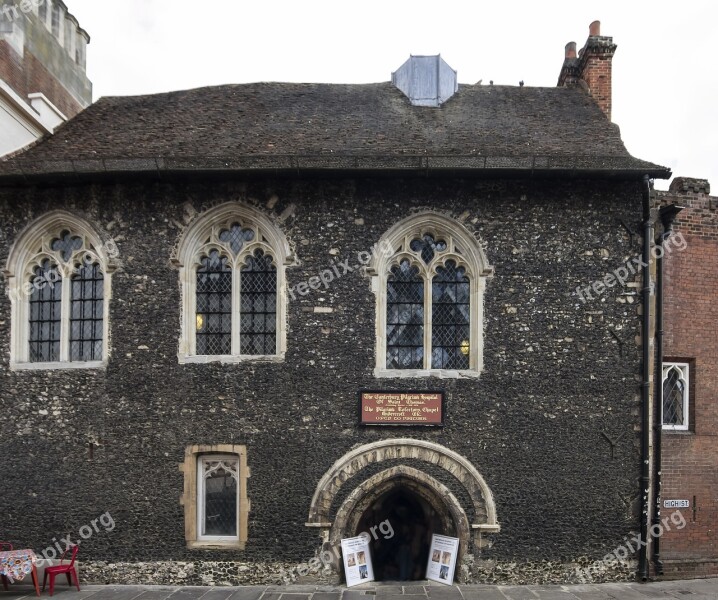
571	50
594	29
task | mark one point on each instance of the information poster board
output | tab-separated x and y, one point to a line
442	559
357	560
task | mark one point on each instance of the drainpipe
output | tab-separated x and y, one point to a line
667	215
646	376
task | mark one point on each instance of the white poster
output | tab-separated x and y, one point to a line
442	559
357	560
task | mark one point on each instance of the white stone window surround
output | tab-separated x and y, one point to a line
684	371
190	249
466	251
30	248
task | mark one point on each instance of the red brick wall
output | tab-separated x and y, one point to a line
597	74
26	75
690	459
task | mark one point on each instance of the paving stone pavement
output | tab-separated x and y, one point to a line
694	589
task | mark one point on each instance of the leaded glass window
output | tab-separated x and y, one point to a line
62	300
87	313
429	273
60	274
258	305
451	316
428	304
45	313
675	395
218	481
214	305
405	318
236	294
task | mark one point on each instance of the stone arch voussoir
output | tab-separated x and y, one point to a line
353	462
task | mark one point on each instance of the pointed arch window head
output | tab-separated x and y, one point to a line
676	396
429	281
231	262
59	280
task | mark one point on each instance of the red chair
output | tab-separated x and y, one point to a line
68	569
5	547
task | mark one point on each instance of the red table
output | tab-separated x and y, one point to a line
15	564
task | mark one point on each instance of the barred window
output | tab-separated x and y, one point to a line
429	299
59	288
676	395
234	306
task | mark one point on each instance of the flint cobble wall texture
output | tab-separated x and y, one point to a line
560	377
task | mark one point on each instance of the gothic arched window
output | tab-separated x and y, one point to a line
59	283
232	261
431	275
675	395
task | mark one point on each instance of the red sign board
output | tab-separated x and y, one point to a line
402	408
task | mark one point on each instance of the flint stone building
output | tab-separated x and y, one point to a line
199	285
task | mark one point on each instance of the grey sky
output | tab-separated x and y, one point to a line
665	87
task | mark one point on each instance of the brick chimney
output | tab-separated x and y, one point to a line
591	69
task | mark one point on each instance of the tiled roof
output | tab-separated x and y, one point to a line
289	126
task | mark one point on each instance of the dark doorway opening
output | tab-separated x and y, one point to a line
403	555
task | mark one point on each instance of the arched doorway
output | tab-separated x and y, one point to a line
401	554
336	514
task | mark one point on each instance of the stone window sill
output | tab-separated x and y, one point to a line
425	373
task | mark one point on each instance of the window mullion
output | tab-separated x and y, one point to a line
427	321
236	305
65	313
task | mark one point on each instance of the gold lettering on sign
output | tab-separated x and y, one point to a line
401	408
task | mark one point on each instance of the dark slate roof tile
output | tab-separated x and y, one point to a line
333	126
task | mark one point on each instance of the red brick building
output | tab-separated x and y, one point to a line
689	447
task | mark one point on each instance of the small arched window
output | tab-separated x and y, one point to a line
59	278
675	396
231	262
430	276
